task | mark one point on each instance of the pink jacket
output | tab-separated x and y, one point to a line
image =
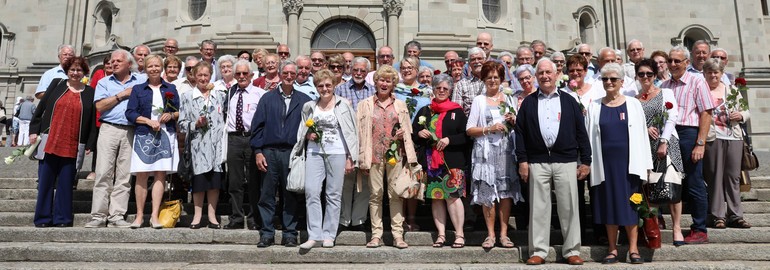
364	116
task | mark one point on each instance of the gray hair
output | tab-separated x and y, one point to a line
242	63
713	64
720	50
506	53
424	69
225	58
613	67
524	48
129	57
527	68
537	42
64	46
682	49
557	54
632	42
302	57
149	51
699	42
30	98
599	53
286	63
583	45
476	50
209	42
438	79
413	43
359	60
542	62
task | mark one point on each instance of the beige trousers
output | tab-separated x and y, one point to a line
376	174
563	176
112	186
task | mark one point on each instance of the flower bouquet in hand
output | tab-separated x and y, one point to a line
27	151
167	106
573	85
659	120
422	120
312	127
391	155
506	108
732	101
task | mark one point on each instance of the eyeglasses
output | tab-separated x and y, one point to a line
359	70
188	69
675	61
645	74
558	62
611	79
317	59
242	73
525	78
283	53
385	56
170	47
449	61
660	62
482	43
635	50
75	71
579	70
207	49
336	66
584	53
720	57
492	78
525	58
407	68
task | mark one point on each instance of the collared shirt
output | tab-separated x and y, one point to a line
464	92
384	117
725	79
549	115
349	91
111	86
251	97
183	85
48	76
286	98
692	96
214	71
308	88
591	71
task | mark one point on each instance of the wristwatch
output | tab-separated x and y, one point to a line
701	142
662	140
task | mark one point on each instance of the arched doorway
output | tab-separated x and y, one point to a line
345	35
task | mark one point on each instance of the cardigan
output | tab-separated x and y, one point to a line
274	127
347	121
453	127
41	120
364	115
140	104
639	158
571	142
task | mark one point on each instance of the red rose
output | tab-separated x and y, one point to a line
415	91
169	95
436	72
669	105
740	82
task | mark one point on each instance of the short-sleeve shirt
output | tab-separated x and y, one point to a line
48	76
692	96
109	87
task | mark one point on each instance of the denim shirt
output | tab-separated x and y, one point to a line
109	87
140	104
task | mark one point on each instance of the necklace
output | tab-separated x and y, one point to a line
495	98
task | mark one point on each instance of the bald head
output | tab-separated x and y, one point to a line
606	55
449	58
171	46
484	41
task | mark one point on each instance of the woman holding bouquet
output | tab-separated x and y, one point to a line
661	111
495	180
440	145
331	146
152	108
68	115
382	121
201	115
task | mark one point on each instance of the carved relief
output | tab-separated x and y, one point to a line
293	6
393	7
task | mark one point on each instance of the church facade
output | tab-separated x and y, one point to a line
30	31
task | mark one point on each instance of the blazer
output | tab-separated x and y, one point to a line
140	104
41	120
453	127
274	127
571	142
639	158
364	115
346	118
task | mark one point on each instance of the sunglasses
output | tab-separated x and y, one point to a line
611	79
675	61
585	53
385	56
719	57
635	50
283	53
335	66
242	73
188	69
645	74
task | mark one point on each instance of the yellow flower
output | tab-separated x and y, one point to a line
309	123
84	80
392	161
636	198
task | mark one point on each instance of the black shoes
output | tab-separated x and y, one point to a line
214	226
253	226
233	226
195	226
290	242
265	242
42	225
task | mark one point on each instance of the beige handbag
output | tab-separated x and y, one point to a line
410	184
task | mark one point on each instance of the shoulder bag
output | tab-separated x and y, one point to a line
666	186
295	182
410	184
185	168
749	160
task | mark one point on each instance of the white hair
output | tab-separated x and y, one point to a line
226	58
605	49
523	48
476	50
613	68
425	68
632	42
129	57
506	53
720	50
541	62
358	60
149	51
583	45
682	49
557	54
65	46
242	63
524	68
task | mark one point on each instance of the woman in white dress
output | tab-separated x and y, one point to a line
153	109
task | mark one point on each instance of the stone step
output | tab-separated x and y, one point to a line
756	194
760	181
18	183
85	206
25	219
31	194
206	253
657	265
756	220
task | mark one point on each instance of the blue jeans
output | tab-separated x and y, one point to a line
275	180
50	209
694	185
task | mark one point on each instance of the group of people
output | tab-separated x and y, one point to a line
494	133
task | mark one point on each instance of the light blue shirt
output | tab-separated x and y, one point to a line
111	87
48	76
423	63
724	79
308	88
549	115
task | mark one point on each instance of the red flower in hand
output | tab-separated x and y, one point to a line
169	95
415	91
669	105
436	72
740	82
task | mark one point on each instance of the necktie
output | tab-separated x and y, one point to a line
239	112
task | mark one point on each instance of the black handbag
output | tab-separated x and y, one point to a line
662	191
749	161
185	168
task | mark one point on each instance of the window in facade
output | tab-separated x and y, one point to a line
343	34
765	10
693	35
197	8
491	10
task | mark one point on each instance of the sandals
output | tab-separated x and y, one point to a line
374	243
439	241
459	245
399	243
488	243
719	224
610	259
506	242
741	224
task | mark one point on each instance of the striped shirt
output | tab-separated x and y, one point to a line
692	96
348	90
465	90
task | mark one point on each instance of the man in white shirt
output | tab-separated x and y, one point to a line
186	84
65	53
607	55
139	53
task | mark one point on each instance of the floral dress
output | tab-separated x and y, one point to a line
443	182
493	165
654	108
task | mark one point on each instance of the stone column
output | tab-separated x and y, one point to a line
393	10
292	8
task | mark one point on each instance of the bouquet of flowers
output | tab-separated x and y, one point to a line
391	155
506	108
422	120
27	151
312	127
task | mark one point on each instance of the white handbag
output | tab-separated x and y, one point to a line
671	175
295	182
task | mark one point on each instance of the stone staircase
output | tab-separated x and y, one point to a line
24	246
